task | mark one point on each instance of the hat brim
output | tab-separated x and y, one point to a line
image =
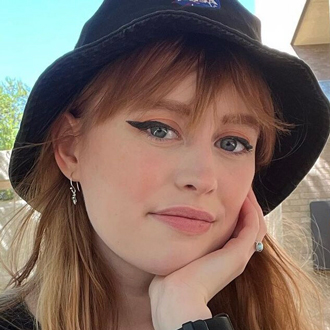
292	82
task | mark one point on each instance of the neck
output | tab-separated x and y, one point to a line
135	309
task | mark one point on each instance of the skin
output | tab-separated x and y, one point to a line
125	175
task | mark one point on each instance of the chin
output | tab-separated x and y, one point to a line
166	266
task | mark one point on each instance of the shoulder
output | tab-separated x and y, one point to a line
16	318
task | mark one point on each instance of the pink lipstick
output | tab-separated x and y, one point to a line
186	219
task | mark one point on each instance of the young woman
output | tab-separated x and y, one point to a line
149	156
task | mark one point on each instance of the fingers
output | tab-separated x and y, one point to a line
251	228
262	223
254	216
214	271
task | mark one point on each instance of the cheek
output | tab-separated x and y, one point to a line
239	182
146	176
139	174
234	190
115	176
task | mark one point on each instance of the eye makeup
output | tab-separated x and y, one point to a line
148	124
226	141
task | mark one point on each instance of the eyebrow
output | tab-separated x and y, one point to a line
184	110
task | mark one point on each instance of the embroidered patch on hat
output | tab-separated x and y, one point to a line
199	3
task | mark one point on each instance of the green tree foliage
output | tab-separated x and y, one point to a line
13	96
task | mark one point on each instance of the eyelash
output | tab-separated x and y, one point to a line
144	126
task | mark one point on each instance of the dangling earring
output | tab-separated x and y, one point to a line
73	191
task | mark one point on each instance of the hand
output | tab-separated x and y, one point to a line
183	295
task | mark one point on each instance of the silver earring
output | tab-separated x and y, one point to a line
73	191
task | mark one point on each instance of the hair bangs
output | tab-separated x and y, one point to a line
138	81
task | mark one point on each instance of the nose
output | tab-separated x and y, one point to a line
197	170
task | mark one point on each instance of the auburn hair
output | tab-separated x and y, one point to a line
74	287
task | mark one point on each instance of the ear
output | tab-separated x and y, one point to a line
65	139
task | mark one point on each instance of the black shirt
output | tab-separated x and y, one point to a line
20	317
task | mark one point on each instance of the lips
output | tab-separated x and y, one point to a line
187	212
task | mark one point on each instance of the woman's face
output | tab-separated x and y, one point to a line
126	175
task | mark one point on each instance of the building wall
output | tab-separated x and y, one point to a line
318	58
314	27
314	187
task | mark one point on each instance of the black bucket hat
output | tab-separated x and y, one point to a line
119	26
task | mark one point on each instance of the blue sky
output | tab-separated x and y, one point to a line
35	33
